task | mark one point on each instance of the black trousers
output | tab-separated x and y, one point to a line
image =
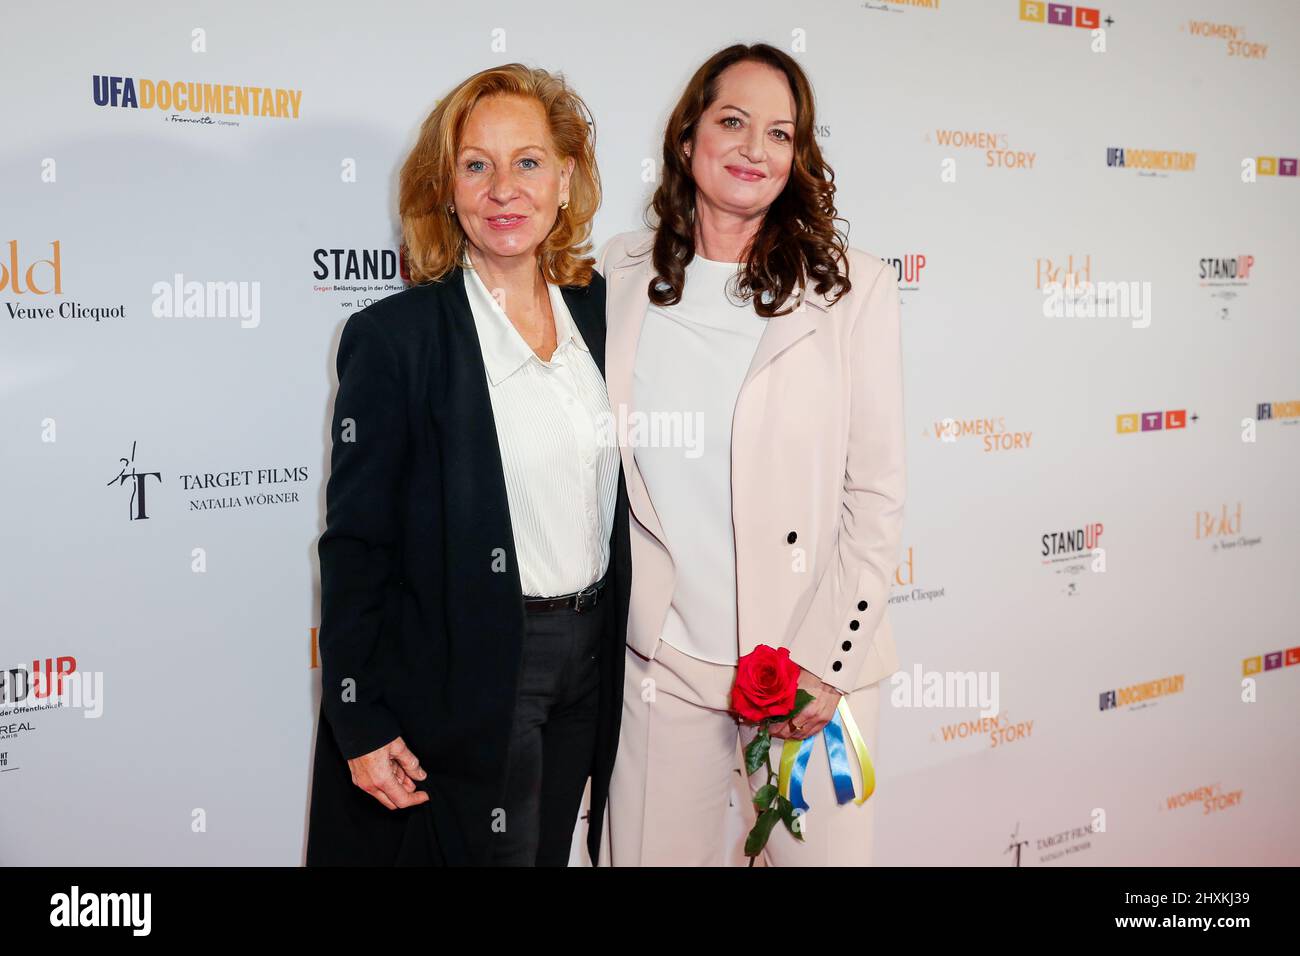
553	738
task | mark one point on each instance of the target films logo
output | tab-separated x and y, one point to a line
202	100
260	480
128	475
1056	845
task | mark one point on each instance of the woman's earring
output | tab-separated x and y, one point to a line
565	204
451	208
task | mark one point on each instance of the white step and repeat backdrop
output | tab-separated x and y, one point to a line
1102	519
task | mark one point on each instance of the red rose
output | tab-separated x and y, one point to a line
766	684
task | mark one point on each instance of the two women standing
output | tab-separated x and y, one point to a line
742	307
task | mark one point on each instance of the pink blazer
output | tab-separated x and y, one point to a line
818	473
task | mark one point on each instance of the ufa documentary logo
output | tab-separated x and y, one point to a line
35	279
175	97
1150	162
932	5
221	482
1286	412
1141	695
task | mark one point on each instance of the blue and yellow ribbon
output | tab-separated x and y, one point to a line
795	755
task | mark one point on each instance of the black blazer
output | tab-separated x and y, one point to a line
414	618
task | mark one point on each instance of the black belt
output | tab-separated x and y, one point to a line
579	601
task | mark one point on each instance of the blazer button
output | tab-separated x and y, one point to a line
836	666
791	538
847	645
854	625
862	605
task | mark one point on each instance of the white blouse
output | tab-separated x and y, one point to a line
561	478
691	359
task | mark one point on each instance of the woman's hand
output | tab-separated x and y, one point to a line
386	774
816	715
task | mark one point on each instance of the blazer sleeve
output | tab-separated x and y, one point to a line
359	550
852	596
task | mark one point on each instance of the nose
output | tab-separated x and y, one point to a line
502	187
754	148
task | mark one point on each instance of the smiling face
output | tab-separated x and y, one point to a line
509	181
743	147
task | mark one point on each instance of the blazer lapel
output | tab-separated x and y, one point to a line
590	322
625	292
476	508
783	331
627	302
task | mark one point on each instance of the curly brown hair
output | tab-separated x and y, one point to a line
797	242
432	236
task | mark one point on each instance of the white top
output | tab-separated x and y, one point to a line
561	478
691	359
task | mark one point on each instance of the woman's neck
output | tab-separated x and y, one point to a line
519	277
723	236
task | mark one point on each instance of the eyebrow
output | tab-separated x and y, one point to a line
517	151
728	106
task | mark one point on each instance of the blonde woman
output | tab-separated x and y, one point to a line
474	575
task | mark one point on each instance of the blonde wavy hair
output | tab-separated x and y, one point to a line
432	236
